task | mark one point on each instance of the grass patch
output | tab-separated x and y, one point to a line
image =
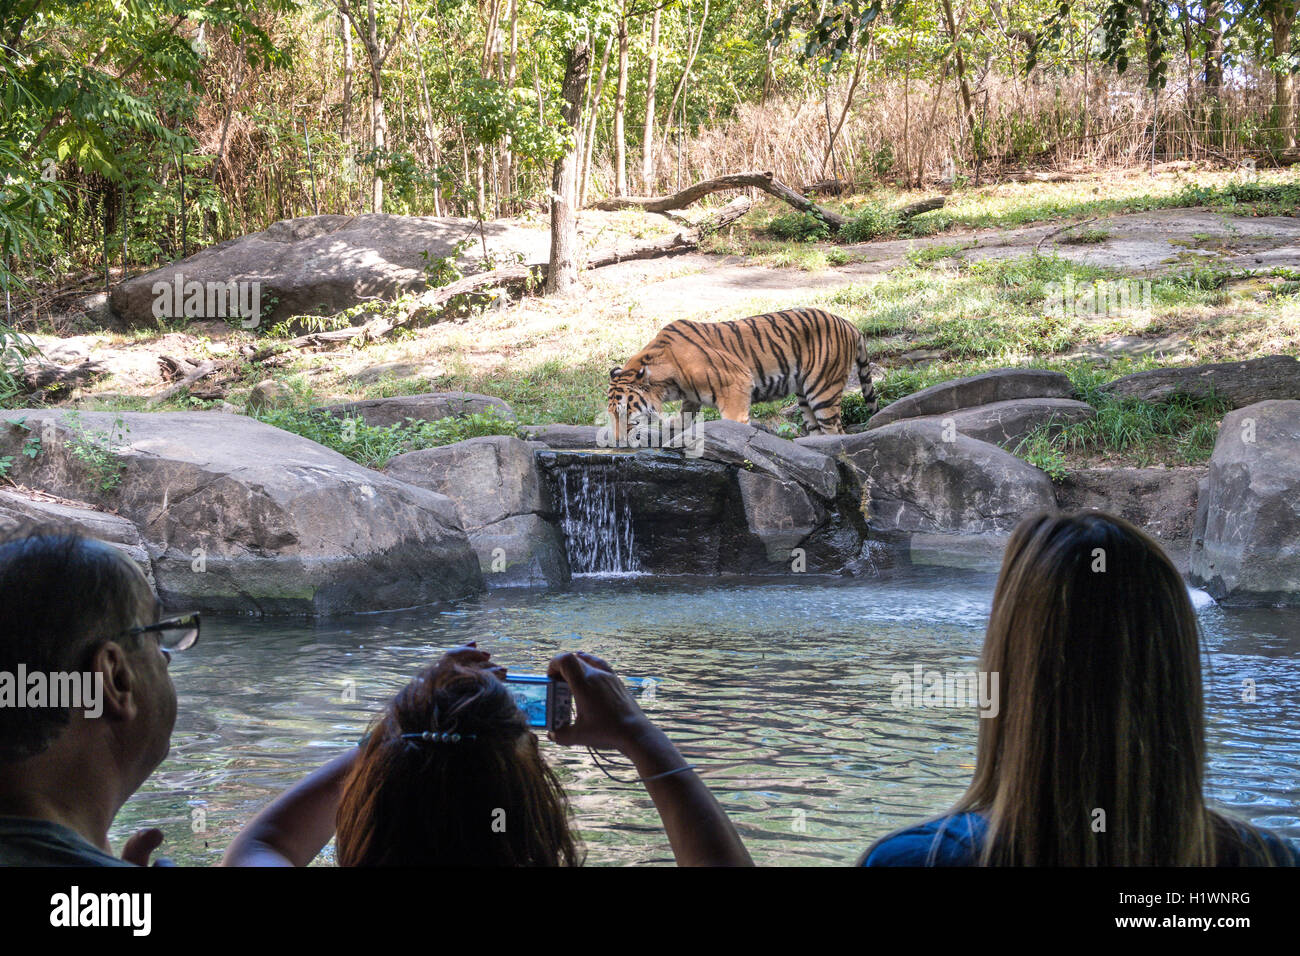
374	445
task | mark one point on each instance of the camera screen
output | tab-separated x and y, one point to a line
531	699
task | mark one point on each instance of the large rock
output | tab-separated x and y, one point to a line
240	516
1008	423
673	513
503	505
432	406
1160	501
1246	547
1000	385
321	265
916	481
779	513
1270	378
757	450
24	512
564	436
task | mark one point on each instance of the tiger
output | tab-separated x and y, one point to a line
731	365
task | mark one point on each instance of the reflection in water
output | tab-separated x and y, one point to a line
780	693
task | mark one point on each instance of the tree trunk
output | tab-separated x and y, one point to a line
652	77
593	113
1213	42
1283	20
686	73
349	74
562	271
767	57
968	105
512	74
379	128
377	52
620	108
848	102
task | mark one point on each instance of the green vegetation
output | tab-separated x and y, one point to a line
374	445
97	451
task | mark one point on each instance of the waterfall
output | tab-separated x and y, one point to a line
597	521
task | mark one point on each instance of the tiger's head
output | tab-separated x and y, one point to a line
632	400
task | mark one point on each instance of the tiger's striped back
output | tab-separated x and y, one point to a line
729	365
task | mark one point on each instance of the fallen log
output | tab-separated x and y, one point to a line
766	181
202	371
923	205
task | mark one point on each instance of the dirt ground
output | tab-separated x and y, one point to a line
627	302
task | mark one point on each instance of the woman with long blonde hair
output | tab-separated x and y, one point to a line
1096	753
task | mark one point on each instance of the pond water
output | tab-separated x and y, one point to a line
779	692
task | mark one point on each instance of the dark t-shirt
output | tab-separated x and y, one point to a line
29	842
957	839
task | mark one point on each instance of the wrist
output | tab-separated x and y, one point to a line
650	750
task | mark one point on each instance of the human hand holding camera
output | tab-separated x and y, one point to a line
608	716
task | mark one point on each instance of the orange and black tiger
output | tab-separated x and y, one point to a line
730	365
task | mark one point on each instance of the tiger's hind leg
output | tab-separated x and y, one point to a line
828	417
810	421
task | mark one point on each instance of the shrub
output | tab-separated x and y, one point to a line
871	222
799	227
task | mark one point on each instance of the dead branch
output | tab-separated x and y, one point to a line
766	181
923	205
203	370
1056	232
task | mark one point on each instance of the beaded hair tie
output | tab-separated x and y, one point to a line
440	738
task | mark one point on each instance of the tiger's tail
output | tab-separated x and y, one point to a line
864	375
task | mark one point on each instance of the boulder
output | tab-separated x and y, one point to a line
397	372
672	513
432	406
756	450
1007	423
1274	377
321	265
24	512
915	481
999	385
1246	545
268	394
503	505
564	436
1160	501
240	516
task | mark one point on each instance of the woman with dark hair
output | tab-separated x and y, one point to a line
451	775
1095	755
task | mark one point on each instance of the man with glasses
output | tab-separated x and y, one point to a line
74	608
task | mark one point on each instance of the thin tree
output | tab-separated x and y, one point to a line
652	78
562	275
377	51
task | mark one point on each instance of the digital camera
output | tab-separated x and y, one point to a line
547	703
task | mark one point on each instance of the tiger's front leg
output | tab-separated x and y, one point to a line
733	403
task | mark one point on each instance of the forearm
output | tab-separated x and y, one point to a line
699	830
293	828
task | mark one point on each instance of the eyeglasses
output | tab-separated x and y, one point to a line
178	633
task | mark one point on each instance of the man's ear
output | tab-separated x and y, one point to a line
120	681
